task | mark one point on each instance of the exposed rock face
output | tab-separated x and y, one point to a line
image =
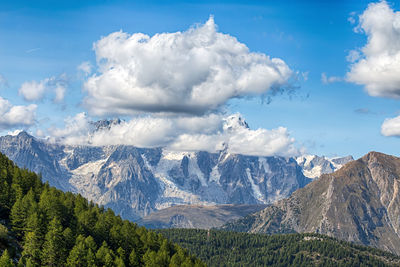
195	216
358	203
136	181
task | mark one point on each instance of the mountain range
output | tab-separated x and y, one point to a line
135	182
360	203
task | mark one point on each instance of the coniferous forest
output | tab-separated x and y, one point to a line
43	226
221	248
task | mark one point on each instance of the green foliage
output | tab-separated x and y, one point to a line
53	228
3	234
5	260
221	248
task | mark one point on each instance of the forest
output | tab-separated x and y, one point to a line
223	248
43	226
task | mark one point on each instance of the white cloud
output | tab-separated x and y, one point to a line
13	116
378	64
59	85
391	127
190	72
15	132
353	56
331	79
352	18
208	133
35	91
85	67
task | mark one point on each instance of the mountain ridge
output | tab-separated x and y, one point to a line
138	181
360	203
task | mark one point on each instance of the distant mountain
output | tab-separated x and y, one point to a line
195	216
358	203
135	182
314	166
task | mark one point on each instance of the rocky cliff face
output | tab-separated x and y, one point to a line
358	203
136	181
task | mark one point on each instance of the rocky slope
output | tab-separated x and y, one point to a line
358	203
199	217
135	181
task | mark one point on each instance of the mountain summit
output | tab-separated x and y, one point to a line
360	203
135	182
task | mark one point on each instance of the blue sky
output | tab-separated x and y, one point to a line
52	38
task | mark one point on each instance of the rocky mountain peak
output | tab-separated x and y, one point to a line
235	122
105	124
360	203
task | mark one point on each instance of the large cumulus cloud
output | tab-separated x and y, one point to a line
15	116
211	133
377	64
190	72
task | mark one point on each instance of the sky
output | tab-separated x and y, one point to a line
258	78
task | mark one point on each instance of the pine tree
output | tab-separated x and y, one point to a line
31	249
4	197
119	262
77	256
134	259
104	255
53	252
5	260
18	218
90	259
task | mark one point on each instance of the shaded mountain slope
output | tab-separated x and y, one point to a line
358	203
196	216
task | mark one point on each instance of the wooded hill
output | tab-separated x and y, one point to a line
43	226
222	248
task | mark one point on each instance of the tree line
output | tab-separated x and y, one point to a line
43	226
223	248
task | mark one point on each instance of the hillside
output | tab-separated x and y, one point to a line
196	216
42	226
220	248
358	203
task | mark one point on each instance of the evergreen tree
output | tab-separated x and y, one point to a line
31	249
53	252
104	255
90	258
18	217
119	262
5	260
4	198
78	254
134	259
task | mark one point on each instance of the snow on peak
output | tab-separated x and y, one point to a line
314	166
235	122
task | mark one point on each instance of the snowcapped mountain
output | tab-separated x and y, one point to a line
314	166
137	181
